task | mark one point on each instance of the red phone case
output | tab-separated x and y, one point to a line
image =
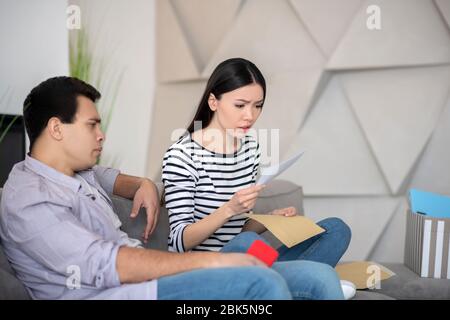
263	252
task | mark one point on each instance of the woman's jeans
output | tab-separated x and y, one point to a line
305	271
234	283
307	267
327	247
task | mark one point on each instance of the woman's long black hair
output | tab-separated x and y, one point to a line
229	75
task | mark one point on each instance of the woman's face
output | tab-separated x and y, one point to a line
237	110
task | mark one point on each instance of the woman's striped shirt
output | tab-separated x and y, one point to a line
197	181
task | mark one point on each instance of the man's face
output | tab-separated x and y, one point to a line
83	139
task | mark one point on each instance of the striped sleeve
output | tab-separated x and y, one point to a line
256	163
179	178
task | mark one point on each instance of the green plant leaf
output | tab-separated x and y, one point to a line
5	95
92	70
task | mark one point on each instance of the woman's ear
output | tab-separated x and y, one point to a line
212	102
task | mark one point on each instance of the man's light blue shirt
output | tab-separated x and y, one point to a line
61	238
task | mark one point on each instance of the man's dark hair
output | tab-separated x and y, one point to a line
55	97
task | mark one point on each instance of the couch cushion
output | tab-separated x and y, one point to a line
135	227
370	295
406	284
4	263
279	194
10	286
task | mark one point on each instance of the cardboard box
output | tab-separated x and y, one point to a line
427	245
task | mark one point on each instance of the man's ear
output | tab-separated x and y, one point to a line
212	102
54	128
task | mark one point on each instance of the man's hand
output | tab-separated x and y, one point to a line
287	212
147	197
236	260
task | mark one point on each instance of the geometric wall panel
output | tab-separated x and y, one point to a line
288	94
367	218
444	8
337	160
194	15
390	246
174	58
320	88
270	34
433	170
398	110
173	109
337	14
412	33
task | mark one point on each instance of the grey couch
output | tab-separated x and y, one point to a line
405	285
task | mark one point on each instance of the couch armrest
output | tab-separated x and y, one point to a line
135	227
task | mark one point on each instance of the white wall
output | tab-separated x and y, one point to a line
33	41
122	35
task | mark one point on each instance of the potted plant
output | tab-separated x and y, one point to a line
4	131
92	70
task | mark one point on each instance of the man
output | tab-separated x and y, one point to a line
57	222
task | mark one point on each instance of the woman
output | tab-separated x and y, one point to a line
209	174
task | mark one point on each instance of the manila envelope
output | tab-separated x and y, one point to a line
364	274
289	230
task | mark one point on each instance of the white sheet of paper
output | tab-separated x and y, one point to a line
269	173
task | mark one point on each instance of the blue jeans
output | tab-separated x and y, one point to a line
308	267
285	281
296	279
236	283
327	247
